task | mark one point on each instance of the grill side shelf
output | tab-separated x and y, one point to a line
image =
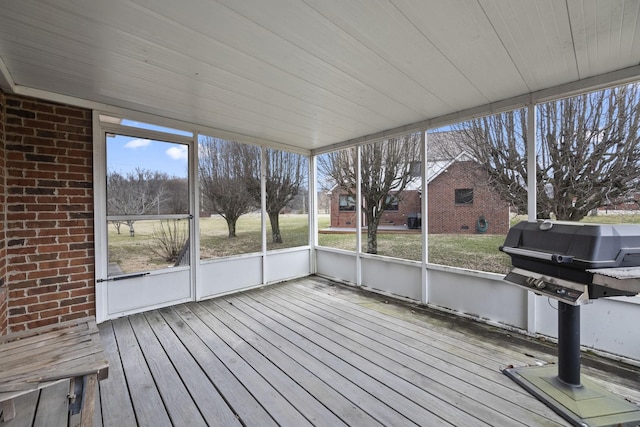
626	279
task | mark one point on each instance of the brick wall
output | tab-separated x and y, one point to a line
447	217
3	246
340	219
49	213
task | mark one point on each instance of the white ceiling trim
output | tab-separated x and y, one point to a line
132	114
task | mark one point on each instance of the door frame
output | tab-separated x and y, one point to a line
102	279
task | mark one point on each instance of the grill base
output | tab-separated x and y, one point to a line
585	405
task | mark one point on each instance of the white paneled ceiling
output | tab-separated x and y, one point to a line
312	73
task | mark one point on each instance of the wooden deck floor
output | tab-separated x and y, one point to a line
309	353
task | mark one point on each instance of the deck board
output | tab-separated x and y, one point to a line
309	353
354	386
145	397
115	403
450	363
301	369
207	398
382	364
239	399
486	399
181	408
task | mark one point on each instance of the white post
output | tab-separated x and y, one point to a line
313	213
194	222
358	217
531	162
263	204
425	217
531	199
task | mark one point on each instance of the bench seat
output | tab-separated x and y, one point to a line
49	375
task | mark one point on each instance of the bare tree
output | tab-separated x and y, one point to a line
177	200
387	167
137	193
225	168
588	154
286	175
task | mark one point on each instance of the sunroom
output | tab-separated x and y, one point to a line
156	156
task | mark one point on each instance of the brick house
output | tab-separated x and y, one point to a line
459	196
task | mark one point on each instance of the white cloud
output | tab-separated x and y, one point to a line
180	152
137	143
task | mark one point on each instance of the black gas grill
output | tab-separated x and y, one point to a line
575	264
564	260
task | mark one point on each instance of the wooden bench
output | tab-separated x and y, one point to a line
51	372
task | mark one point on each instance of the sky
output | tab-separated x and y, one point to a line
126	153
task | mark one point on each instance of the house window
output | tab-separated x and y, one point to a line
391	203
346	203
464	196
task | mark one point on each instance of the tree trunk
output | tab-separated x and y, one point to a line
231	225
274	218
372	232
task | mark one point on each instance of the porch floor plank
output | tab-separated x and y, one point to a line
240	401
307	352
115	403
267	394
145	397
180	406
207	398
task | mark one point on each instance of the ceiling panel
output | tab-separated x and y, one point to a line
472	47
310	73
605	34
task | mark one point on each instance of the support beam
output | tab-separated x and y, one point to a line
424	148
531	162
358	217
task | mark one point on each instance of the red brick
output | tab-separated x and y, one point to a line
73	270
73	301
84	291
87	307
33	308
22	319
39	290
73	286
24	301
54	312
73	316
57	296
18	293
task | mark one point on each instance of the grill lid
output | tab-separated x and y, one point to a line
580	246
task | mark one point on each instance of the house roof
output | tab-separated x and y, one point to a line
315	74
443	149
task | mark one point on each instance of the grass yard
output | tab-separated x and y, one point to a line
134	254
476	252
473	251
